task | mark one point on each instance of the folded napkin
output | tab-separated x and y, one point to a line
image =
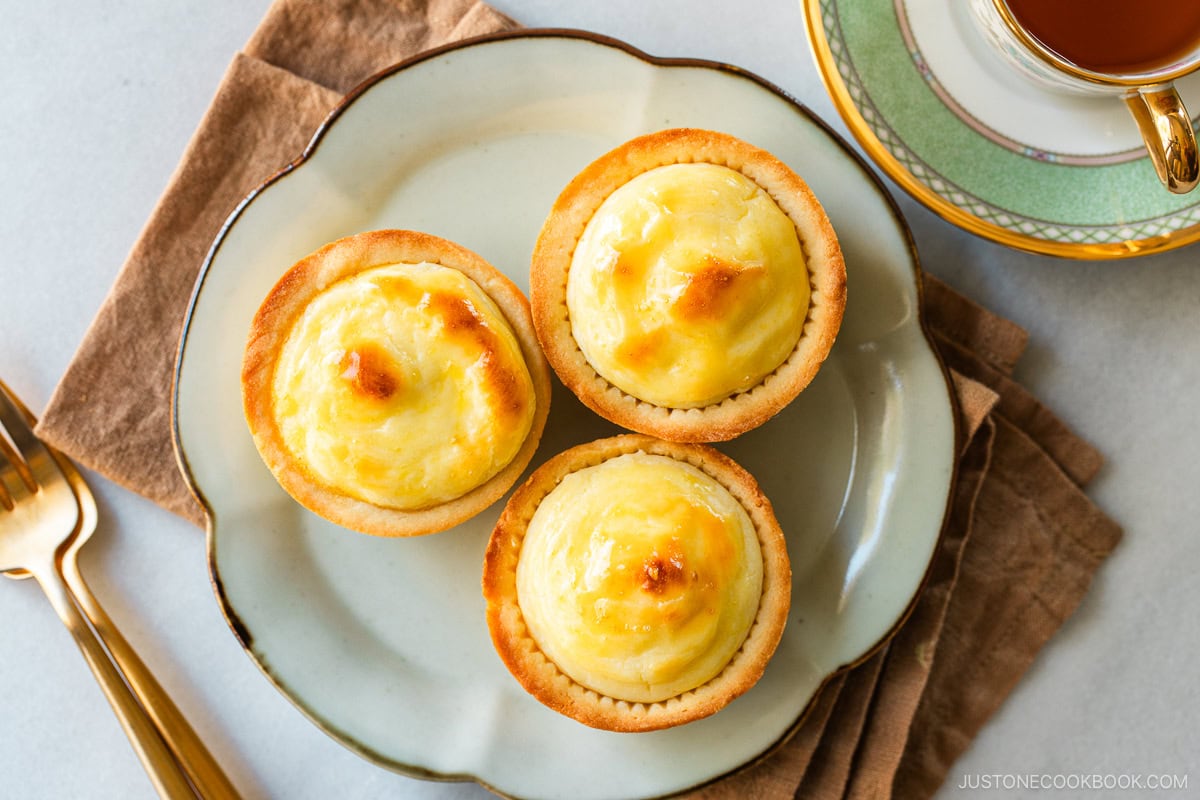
1018	552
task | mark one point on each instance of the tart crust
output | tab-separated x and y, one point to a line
269	331
543	679
570	215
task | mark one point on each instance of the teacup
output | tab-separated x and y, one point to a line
1087	47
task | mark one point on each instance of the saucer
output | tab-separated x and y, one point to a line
941	113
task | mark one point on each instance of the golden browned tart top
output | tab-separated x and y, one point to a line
393	384
687	284
635	584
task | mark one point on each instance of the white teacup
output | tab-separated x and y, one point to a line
1157	109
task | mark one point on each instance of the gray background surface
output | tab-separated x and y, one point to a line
99	102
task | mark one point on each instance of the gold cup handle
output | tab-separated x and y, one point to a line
1166	128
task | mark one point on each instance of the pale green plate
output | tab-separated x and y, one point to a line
951	123
383	643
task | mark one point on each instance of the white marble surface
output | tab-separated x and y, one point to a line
99	101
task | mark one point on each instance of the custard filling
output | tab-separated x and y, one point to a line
687	286
403	386
640	577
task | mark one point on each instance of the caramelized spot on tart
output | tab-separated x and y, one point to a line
370	372
463	321
459	316
641	350
713	290
506	386
663	570
398	288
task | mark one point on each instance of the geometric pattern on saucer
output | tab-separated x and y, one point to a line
1046	230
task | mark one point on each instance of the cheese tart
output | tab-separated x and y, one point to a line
393	383
634	584
687	285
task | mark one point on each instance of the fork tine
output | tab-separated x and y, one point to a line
15	479
6	501
40	468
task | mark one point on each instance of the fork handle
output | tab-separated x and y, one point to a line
202	769
166	775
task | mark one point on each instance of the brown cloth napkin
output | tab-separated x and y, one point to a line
1018	552
1017	556
301	60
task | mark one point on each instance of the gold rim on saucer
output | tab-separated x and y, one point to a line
1148	223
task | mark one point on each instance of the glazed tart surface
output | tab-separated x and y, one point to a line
688	285
391	383
636	584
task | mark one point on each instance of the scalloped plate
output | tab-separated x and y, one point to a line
383	643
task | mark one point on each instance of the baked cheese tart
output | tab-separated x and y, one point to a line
687	285
635	584
393	383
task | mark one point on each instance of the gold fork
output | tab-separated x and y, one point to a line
47	513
